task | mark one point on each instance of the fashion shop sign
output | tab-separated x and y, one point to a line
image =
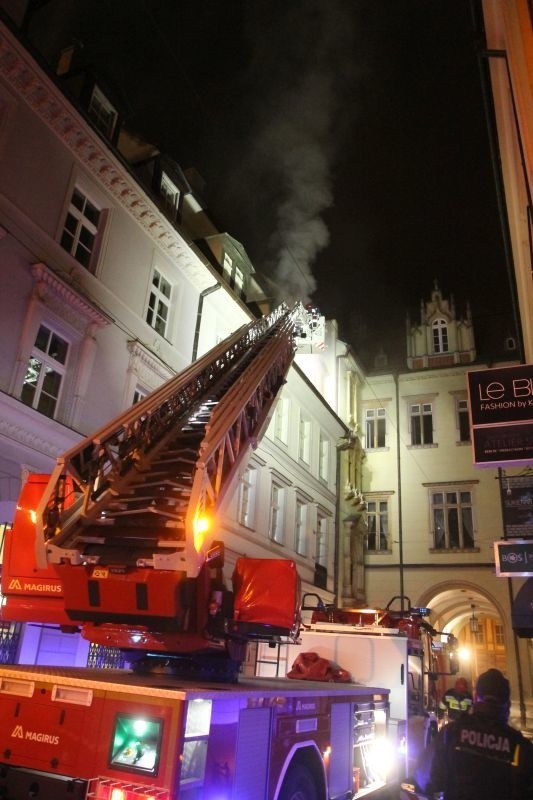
501	415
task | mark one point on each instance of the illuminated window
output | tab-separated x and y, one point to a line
323	457
102	113
277	498
440	336
463	422
281	420
139	393
421	418
499	638
45	371
170	194
227	267
378	525
452	519
81	228
322	533
157	315
247	497
304	439
238	279
375	427
300	528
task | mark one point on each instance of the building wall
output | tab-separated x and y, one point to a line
453	577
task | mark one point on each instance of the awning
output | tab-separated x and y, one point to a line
522	611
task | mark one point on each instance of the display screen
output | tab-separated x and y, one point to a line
136	743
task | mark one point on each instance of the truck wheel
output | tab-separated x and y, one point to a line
298	785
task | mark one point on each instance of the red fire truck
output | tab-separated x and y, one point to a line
116	543
393	646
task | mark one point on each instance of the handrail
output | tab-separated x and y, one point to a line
101	459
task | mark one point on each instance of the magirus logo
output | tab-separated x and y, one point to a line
33	736
23	585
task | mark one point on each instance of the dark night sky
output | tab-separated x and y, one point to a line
343	142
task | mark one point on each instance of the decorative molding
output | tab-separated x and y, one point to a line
145	365
26	427
70	303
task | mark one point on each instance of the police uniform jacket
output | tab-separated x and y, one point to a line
478	757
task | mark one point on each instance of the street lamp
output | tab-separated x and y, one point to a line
473	622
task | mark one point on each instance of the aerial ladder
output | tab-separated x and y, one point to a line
118	541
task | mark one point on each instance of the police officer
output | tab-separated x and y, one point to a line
479	756
455	701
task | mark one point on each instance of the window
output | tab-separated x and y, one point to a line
81	228
375	427
323	458
247	497
499	639
463	422
159	303
170	195
300	532
322	532
452	519
139	394
45	371
304	439
238	280
421	416
277	497
281	420
378	525
102	113
227	267
440	336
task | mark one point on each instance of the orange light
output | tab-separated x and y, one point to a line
201	525
117	794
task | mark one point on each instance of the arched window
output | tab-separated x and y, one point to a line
440	336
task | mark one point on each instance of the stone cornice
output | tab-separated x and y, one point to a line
140	353
48	284
39	92
24	426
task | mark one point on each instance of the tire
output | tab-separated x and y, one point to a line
298	785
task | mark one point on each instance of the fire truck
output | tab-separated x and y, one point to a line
394	646
117	543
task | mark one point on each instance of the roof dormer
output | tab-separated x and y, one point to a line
440	339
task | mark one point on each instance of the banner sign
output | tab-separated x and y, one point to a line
517	506
514	559
501	415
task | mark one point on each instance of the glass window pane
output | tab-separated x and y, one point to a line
92	213
82	255
438	523
58	348
468	528
78	199
46	405
453	527
42	339
51	382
